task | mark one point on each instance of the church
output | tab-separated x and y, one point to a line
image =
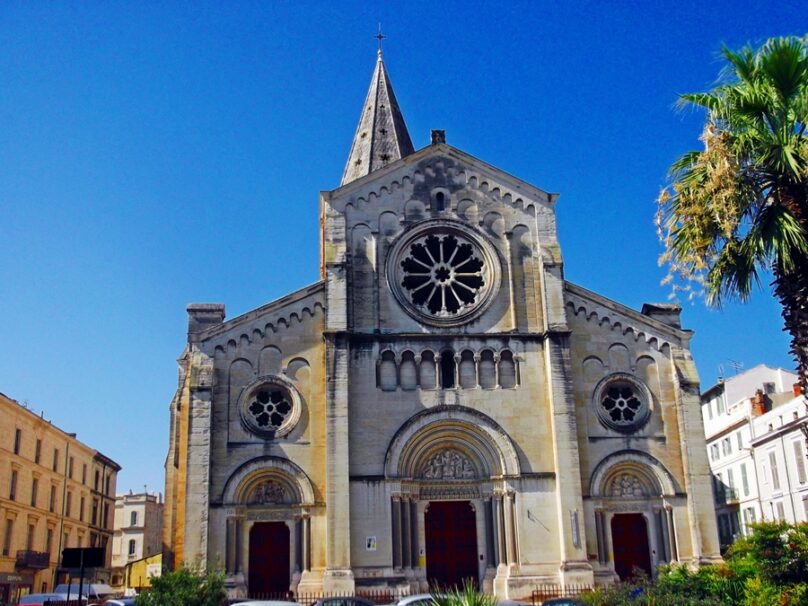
441	405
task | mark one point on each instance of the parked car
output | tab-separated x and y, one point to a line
265	603
40	599
344	601
562	602
116	602
96	592
419	599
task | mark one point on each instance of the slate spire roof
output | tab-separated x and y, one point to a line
381	136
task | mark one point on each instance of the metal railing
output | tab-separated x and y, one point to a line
36	560
546	592
375	596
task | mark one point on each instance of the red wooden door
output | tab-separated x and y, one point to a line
451	543
630	541
269	559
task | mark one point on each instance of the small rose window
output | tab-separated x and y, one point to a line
270	406
622	402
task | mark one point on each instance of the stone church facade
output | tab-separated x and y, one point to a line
441	405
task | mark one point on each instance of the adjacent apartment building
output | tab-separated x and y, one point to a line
756	449
55	492
138	537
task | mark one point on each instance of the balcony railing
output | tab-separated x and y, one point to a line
726	495
35	560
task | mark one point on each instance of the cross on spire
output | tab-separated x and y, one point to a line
380	36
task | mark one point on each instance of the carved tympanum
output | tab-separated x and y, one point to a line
626	485
268	493
449	464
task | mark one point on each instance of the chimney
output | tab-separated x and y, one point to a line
758	403
202	316
667	313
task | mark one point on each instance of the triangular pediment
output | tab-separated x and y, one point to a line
463	168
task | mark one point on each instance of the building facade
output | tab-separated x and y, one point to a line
441	405
55	492
138	536
779	448
737	415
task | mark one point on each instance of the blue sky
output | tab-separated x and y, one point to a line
154	154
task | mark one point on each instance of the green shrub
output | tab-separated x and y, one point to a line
185	587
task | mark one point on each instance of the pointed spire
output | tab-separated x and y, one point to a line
381	136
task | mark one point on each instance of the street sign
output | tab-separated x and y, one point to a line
83	557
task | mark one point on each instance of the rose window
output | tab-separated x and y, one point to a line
270	407
622	402
442	274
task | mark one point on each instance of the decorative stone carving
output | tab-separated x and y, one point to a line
449	464
268	493
627	485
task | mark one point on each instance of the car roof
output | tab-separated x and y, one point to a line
418	597
265	603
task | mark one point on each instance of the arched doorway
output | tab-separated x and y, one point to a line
451	543
269	559
630	539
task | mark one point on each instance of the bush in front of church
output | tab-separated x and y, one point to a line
767	568
185	587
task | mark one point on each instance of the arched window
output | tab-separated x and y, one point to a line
387	371
488	370
507	370
468	370
429	378
133	518
407	371
131	547
447	369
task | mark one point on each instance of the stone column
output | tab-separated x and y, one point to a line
406	533
306	543
490	548
230	549
599	536
414	533
476	369
338	578
197	489
698	478
298	567
508	523
575	567
396	518
671	534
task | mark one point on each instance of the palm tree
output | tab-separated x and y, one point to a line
739	207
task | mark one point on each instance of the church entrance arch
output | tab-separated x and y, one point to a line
453	508
451	543
633	496
269	559
630	536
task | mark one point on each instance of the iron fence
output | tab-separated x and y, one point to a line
546	592
376	596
